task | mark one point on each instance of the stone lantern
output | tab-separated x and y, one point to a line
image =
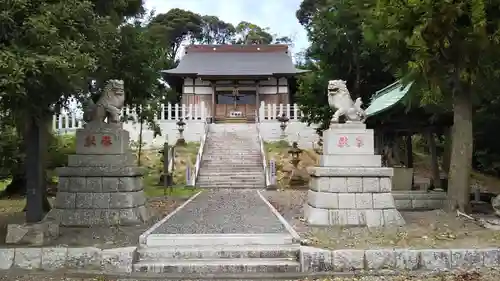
283	119
180	127
295	152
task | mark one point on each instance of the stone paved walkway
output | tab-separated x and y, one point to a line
224	211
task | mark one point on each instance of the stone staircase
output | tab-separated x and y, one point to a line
231	158
218	259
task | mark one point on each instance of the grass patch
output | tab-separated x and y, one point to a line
175	191
278	151
185	156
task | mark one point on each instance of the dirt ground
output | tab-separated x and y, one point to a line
101	237
430	229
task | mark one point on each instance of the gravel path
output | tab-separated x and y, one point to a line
224	211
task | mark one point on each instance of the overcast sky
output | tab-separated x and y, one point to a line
278	15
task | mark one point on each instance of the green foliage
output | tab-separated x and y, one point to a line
175	27
216	31
338	50
445	46
60	146
313	100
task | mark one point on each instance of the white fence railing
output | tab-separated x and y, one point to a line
272	111
199	155
166	112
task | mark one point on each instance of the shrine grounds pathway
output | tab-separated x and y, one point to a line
224	211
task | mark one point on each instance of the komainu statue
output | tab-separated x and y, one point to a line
108	106
339	99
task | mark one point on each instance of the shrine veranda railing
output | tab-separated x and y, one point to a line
195	117
174	112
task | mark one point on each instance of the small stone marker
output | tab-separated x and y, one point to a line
272	168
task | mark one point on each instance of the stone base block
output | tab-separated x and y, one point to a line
103	217
350	161
36	234
101	171
353	184
350	171
99	184
353	217
97	160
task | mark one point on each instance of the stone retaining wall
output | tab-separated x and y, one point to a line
418	200
52	258
318	260
120	260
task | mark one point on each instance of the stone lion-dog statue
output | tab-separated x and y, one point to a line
340	100
108	106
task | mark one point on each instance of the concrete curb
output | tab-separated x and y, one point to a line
144	237
288	227
320	260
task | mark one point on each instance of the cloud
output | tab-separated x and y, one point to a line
278	15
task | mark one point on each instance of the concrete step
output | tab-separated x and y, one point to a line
218	266
175	240
230	173
230	182
231	186
219	252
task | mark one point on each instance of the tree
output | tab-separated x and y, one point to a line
175	27
338	50
216	31
46	54
448	48
249	33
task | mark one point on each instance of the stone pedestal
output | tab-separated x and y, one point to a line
350	187
101	184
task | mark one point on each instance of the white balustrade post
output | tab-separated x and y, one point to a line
59	121
192	114
73	120
176	111
274	113
66	121
262	111
296	111
54	122
183	112
288	110
202	111
162	113
169	111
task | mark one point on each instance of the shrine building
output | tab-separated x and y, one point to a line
232	80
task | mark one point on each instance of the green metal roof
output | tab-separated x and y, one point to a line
387	97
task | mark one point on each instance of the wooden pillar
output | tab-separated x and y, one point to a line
278	100
212	83
257	100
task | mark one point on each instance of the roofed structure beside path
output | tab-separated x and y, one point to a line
232	80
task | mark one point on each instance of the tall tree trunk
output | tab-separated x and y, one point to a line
461	153
34	171
447	150
436	178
